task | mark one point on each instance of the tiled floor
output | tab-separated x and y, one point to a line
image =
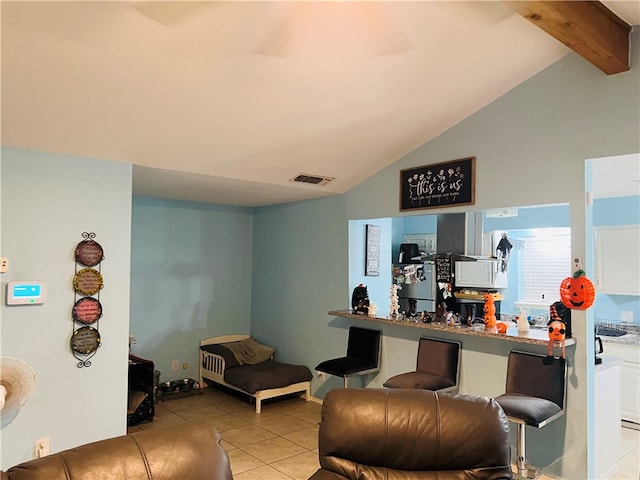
281	443
629	463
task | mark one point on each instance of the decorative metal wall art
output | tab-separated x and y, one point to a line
87	309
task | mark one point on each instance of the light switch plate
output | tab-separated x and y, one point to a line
4	264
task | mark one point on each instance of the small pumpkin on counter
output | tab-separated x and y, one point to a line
577	292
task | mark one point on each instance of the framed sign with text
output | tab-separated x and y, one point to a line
372	253
439	185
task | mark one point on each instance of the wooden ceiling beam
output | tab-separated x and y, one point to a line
587	27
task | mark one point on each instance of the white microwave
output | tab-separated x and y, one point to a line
483	273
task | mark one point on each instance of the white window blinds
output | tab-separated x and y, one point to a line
544	261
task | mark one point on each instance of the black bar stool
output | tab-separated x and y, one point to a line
437	367
535	395
363	355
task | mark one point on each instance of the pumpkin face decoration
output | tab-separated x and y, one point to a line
489	311
490	321
556	331
577	292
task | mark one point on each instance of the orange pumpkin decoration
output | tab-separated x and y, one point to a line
489	311
577	292
490	320
502	327
557	331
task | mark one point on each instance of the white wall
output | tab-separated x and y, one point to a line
48	201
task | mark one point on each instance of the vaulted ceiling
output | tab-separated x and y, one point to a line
226	102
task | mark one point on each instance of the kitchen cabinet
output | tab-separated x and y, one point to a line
617	255
607	417
629	378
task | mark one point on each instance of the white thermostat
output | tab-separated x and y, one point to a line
26	293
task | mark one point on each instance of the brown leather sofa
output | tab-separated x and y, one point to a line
191	451
395	434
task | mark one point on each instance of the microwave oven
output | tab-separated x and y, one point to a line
482	273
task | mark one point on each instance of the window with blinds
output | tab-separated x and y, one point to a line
544	262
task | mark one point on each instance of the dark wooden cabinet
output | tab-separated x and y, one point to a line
141	402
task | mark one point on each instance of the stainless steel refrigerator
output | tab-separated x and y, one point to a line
417	287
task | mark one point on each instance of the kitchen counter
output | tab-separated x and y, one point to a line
532	337
631	338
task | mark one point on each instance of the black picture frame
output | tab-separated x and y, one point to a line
445	184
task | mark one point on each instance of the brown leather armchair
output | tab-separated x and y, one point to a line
394	434
190	451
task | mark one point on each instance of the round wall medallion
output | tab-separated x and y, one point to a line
85	340
89	253
87	310
87	281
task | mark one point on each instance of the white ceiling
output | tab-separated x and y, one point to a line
225	102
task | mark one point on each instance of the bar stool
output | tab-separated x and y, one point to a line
363	355
535	395
437	367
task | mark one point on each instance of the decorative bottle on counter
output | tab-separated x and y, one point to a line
523	324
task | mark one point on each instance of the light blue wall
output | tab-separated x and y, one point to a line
538	135
300	268
377	286
200	288
609	212
616	211
48	201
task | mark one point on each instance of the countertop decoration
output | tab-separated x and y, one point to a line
533	337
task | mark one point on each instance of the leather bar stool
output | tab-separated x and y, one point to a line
363	355
535	396
437	367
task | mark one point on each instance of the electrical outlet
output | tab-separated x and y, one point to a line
41	448
175	365
321	375
185	366
4	264
626	316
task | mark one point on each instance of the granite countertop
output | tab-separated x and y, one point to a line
533	336
631	338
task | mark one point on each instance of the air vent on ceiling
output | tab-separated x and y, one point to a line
311	179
